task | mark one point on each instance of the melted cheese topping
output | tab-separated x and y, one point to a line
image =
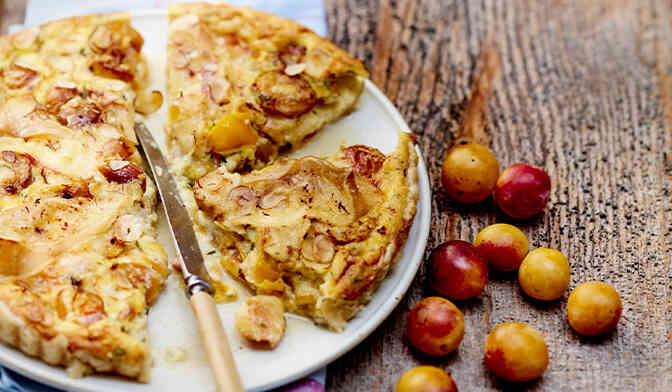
319	233
78	254
243	84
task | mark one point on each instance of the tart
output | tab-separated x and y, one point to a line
320	233
80	265
244	85
79	262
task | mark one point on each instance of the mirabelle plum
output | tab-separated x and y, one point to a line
469	173
425	379
594	308
522	190
544	274
435	326
504	246
516	352
458	271
232	131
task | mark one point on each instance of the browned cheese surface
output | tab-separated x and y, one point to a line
584	90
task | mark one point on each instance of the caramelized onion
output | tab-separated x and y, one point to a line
288	96
244	196
117	148
58	96
271	200
79	112
76	190
17	76
121	172
292	53
366	160
89	306
319	248
21	165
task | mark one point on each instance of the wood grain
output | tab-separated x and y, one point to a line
584	91
11	12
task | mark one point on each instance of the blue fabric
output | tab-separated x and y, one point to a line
11	381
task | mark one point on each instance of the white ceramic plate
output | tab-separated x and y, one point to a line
305	347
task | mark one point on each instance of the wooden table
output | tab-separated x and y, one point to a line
584	90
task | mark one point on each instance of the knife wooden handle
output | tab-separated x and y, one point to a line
216	343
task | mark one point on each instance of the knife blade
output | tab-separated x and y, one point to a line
181	229
196	277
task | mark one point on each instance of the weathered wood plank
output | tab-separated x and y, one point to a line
585	91
11	12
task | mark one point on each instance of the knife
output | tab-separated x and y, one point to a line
196	278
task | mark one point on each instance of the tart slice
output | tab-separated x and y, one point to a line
319	233
79	262
244	85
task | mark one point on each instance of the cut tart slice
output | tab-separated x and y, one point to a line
244	85
79	262
319	233
77	71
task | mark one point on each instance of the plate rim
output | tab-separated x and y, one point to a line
423	219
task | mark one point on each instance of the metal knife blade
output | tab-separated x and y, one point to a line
181	229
